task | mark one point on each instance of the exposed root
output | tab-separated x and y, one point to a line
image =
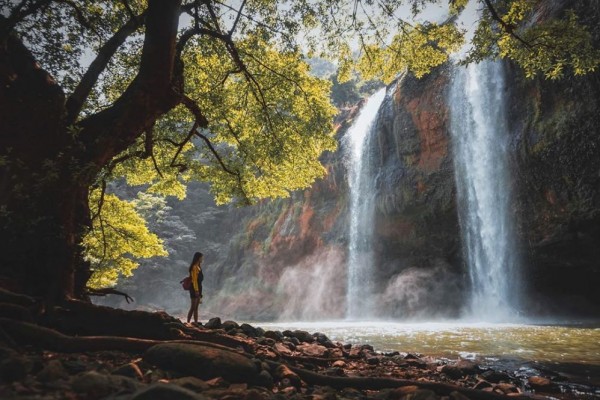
371	383
50	339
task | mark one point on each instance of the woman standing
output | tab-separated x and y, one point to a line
196	290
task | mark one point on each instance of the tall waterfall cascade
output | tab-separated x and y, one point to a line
360	182
481	153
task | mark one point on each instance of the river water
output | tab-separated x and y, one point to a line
504	345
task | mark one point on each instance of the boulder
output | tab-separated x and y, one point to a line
312	350
468	367
495	376
94	385
302	336
249	330
52	371
322	339
452	371
283	349
229	325
213	323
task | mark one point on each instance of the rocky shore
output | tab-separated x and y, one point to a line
227	360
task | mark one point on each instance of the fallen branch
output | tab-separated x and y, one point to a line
106	291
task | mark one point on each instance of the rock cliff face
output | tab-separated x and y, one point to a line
292	253
555	129
556	159
417	231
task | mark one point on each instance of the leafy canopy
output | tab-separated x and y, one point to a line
254	121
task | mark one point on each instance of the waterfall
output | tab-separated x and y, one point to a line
360	182
479	133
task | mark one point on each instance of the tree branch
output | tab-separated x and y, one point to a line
237	19
18	14
151	94
89	79
180	146
101	200
105	291
508	28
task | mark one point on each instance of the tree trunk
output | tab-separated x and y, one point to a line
43	207
47	166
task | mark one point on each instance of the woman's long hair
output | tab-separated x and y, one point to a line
197	257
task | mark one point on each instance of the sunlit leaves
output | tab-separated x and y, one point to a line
418	49
456	6
119	236
551	47
270	123
554	47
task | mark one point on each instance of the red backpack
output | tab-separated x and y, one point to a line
186	283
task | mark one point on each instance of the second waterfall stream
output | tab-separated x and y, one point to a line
362	207
481	160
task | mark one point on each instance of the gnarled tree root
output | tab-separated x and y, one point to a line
50	339
374	383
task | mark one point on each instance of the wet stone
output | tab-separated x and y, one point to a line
322	339
302	336
229	325
312	350
249	330
93	384
468	367
495	376
452	371
373	360
542	384
275	335
213	323
283	349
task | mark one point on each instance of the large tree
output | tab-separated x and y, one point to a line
163	91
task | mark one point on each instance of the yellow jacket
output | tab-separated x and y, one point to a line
197	277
